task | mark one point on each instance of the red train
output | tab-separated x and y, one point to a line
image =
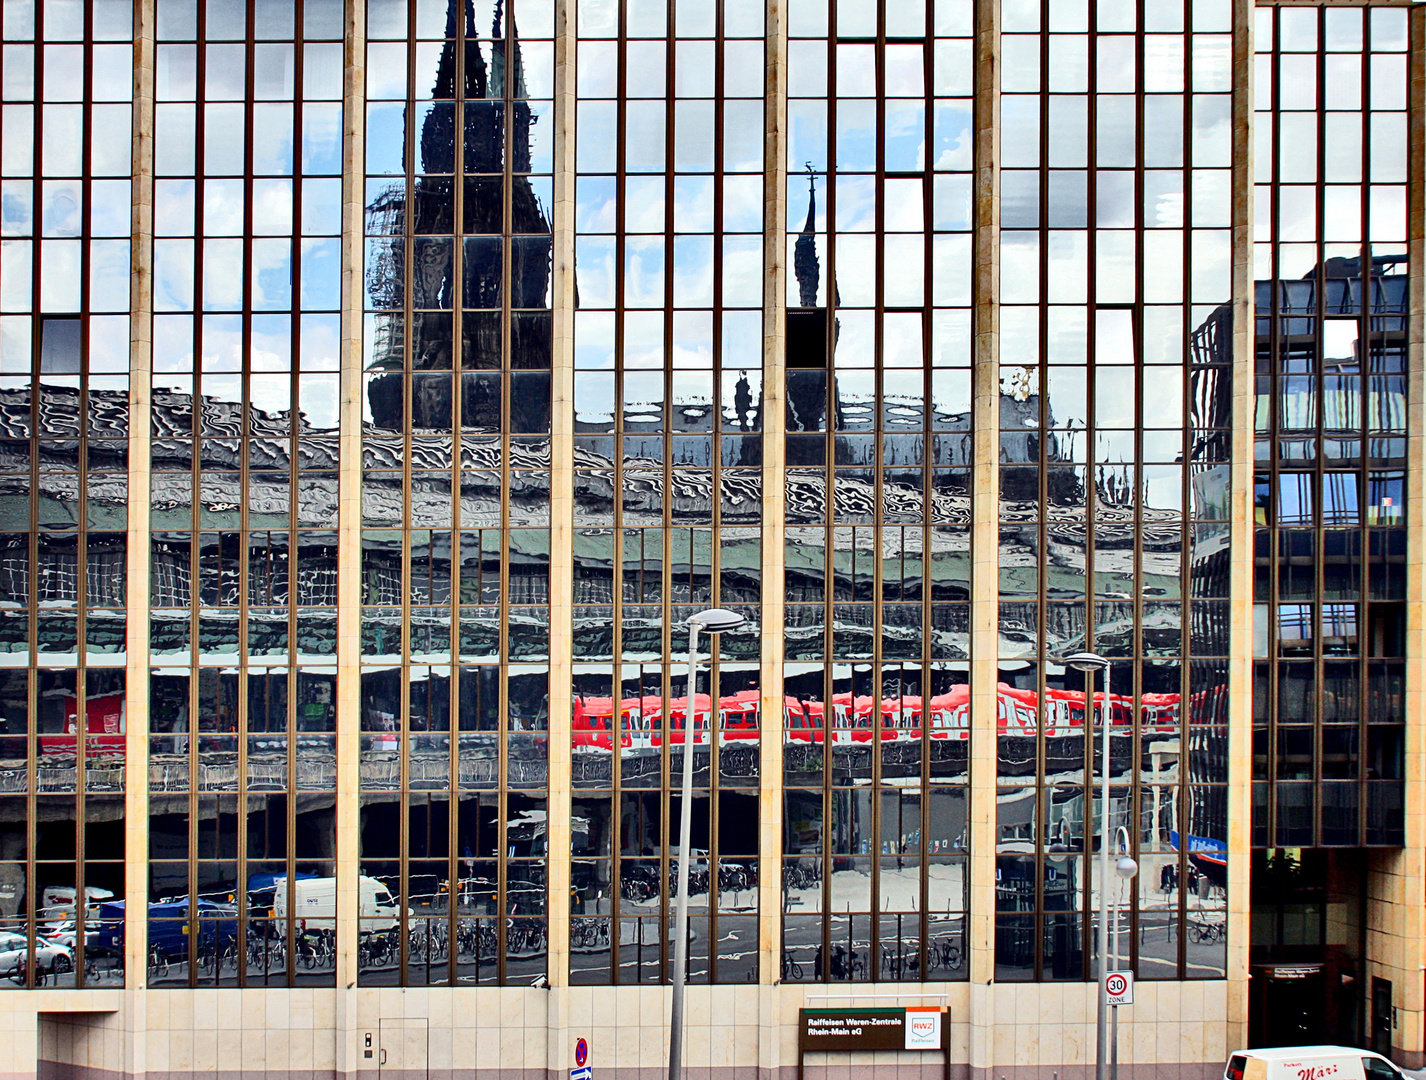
104	722
805	719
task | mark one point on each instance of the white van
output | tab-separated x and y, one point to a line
63	895
316	898
57	902
1309	1063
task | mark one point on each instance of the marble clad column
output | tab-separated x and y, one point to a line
1396	917
985	514
136	644
774	525
559	834
348	809
774	538
1240	672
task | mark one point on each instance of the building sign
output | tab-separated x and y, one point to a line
923	1029
1294	971
846	1030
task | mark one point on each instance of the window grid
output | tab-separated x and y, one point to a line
1331	426
64	385
876	655
1113	216
447	475
667	414
243	554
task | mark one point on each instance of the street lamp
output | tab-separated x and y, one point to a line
713	621
1092	662
1126	868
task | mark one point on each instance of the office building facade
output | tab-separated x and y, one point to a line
384	384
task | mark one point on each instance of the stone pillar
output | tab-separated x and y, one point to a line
561	542
136	643
774	533
1240	673
985	532
348	806
1393	911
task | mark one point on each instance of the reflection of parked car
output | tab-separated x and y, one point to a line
15	953
316	899
168	927
65	933
57	902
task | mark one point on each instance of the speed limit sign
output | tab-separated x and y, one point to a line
1119	988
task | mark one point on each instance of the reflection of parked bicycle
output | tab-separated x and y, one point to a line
589	933
17	974
1201	931
376	950
946	953
900	965
158	963
791	969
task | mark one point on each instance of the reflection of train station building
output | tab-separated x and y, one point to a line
385	383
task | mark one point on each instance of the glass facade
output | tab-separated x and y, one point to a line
1114	499
1330	256
455	544
668	420
243	506
878	451
65	199
604	312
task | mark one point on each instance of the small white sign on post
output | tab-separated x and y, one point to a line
923	1029
1119	988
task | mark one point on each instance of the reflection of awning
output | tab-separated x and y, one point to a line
1204	847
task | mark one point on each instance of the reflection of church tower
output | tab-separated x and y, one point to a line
807	328
805	264
477	299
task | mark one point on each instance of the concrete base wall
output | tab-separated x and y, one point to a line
1174	1031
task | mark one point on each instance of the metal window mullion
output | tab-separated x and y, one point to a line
830	307
1042	787
195	534
618	539
195	475
667	864
294	517
927	529
1319	383
616	599
453	695
32	544
616	592
403	825
715	750
877	527
1275	389
81	704
1365	337
37	341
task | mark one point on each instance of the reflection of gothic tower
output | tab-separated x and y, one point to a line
807	329
432	209
805	263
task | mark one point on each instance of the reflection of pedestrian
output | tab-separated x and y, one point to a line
1166	876
743	400
839	962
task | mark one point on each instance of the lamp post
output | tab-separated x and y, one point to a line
1091	662
1126	868
714	621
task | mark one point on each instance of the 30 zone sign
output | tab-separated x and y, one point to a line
1119	988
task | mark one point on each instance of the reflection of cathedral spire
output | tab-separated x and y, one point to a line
804	260
474	164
